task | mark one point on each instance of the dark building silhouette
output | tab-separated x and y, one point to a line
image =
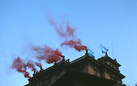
84	71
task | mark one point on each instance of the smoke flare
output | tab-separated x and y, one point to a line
59	29
20	66
31	65
75	44
48	54
103	49
69	33
38	64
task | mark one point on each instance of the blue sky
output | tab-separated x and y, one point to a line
106	22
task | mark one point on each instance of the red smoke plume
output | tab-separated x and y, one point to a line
48	54
20	66
38	64
30	65
69	33
75	44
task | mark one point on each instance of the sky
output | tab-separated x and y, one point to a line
112	23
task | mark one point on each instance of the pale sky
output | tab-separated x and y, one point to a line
112	23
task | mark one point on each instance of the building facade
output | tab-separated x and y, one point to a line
86	69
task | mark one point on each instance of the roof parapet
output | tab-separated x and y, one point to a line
63	58
87	53
55	62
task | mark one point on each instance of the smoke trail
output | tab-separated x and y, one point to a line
90	52
38	64
68	35
48	54
103	49
70	31
75	44
59	29
30	65
20	66
42	53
